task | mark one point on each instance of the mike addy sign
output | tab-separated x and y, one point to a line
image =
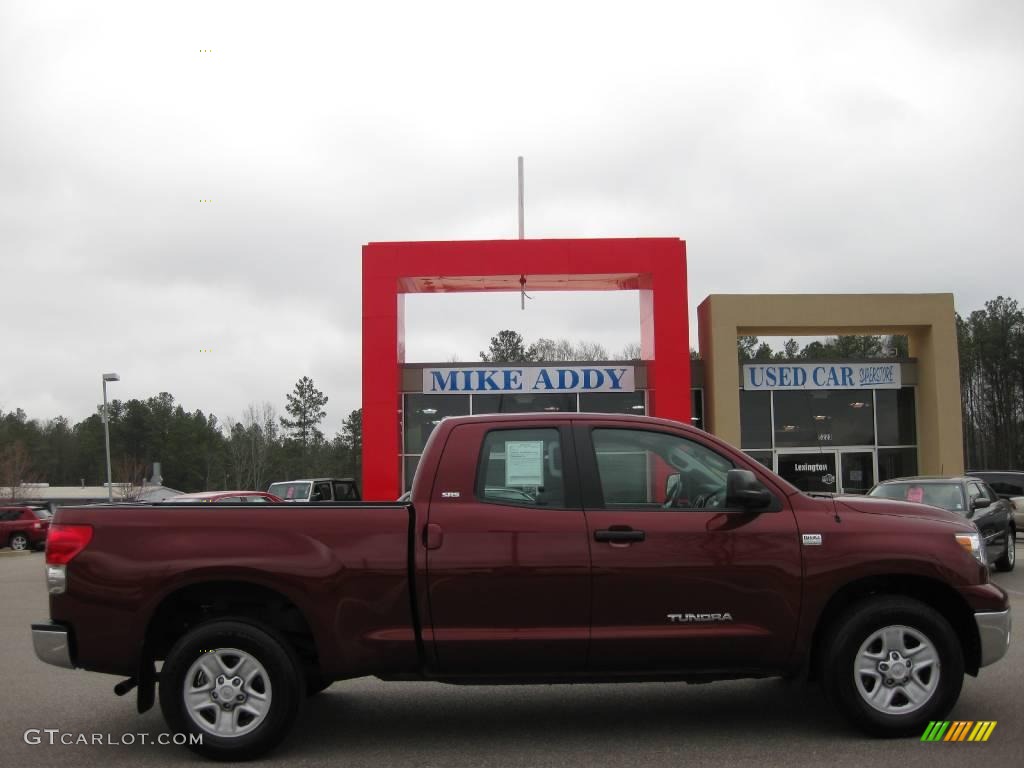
821	376
444	381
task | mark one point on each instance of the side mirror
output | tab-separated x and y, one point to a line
980	503
743	489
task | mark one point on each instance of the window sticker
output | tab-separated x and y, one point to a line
524	463
915	493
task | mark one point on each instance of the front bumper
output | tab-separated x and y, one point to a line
994	633
52	644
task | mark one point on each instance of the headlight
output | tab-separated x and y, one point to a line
972	543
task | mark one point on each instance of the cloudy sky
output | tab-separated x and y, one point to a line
796	147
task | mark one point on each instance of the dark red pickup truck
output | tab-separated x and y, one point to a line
537	547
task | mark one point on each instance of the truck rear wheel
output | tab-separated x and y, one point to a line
234	684
891	665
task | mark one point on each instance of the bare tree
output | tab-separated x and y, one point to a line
631	351
16	468
261	430
563	350
238	452
130	472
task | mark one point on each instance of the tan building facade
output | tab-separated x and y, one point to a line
927	320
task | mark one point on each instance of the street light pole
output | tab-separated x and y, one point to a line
106	432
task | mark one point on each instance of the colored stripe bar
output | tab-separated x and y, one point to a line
939	731
955	731
988	731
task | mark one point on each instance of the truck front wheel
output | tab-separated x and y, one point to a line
891	665
233	686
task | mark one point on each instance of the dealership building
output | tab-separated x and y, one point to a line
825	425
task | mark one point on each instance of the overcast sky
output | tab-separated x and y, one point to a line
796	147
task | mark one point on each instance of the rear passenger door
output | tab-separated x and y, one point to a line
508	563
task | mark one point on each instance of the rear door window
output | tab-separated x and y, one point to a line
522	467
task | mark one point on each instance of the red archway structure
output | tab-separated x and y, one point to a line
656	267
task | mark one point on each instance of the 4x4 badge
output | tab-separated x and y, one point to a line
812	539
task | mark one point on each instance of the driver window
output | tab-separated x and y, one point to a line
654	470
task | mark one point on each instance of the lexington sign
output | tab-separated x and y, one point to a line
822	376
445	381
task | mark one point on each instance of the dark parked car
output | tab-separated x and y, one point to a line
968	496
1009	484
23	526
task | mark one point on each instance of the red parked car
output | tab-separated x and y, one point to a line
226	497
23	526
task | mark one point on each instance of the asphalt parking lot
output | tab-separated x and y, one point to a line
370	723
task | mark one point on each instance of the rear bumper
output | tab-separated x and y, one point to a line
52	644
994	634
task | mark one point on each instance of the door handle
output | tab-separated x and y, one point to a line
619	534
433	536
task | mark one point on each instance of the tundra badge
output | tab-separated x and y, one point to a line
812	539
697	618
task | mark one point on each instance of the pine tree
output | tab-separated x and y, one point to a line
306	406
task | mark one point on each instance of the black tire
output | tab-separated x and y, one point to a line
19	542
1009	558
844	644
268	649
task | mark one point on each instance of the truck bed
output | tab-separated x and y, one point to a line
344	566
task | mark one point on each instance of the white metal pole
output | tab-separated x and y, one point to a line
521	227
106	434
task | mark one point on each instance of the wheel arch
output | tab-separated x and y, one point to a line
936	594
198	602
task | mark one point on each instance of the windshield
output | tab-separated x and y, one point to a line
948	496
290	491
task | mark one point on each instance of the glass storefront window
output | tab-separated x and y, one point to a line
409	465
755	419
524	403
897	421
424	412
824	418
896	462
697	408
763	457
612	402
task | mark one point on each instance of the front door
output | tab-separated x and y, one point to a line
680	581
508	562
857	471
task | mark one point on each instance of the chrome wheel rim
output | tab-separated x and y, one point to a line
1011	548
19	543
227	692
897	670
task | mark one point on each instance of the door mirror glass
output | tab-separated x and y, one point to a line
743	489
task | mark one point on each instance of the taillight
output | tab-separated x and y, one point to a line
65	542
